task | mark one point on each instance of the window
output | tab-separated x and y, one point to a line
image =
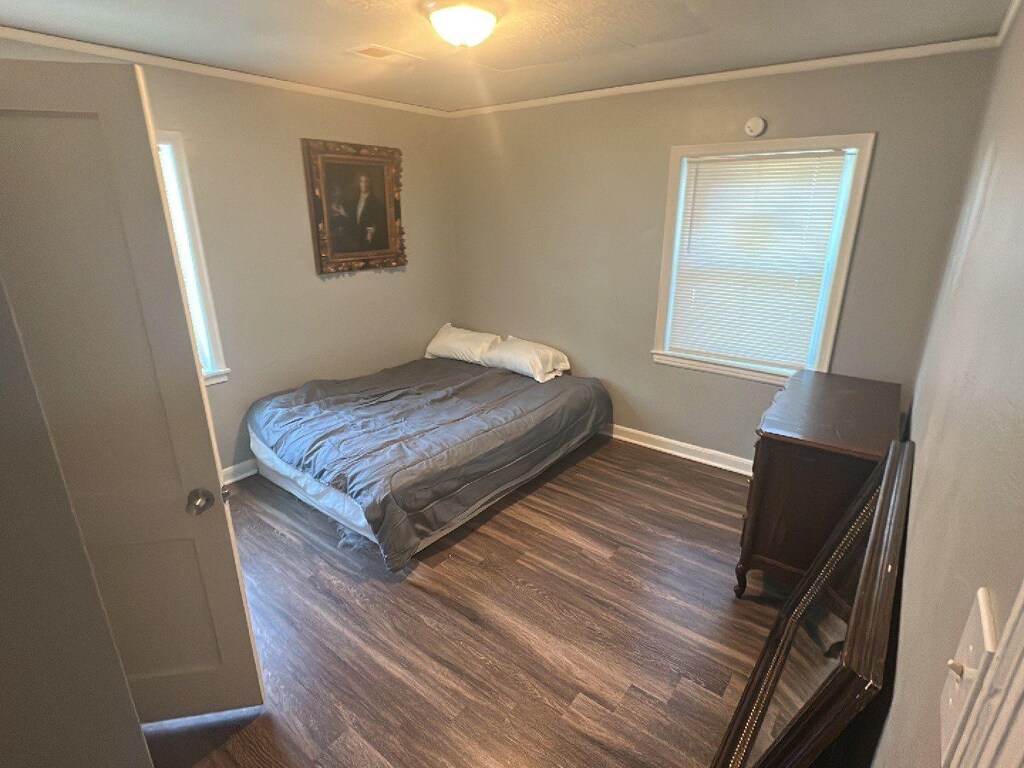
170	149
757	247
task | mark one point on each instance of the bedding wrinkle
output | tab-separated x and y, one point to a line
541	447
418	446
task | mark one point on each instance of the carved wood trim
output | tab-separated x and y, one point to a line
314	152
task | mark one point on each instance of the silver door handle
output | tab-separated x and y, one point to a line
199	500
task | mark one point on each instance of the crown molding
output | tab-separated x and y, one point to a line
181	65
809	65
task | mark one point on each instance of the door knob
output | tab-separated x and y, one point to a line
199	500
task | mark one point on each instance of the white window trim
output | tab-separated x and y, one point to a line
864	143
177	142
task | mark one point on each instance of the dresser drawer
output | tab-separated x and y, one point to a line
817	445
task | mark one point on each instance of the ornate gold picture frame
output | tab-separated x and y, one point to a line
355	205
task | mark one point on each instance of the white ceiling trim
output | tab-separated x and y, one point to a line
809	65
870	57
137	57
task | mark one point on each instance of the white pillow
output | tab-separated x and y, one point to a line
528	358
460	344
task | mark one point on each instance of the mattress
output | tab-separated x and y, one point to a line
407	454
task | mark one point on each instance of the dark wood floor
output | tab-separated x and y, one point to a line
586	620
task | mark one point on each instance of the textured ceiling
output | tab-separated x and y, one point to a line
538	48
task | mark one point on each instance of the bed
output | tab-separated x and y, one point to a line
406	455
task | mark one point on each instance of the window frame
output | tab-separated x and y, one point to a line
864	144
177	142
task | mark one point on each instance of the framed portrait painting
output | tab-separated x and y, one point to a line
355	205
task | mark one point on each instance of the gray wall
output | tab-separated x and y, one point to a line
548	222
65	698
280	323
966	521
554	230
561	217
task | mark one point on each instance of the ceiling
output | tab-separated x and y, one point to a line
538	48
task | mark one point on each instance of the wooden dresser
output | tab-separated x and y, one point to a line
817	444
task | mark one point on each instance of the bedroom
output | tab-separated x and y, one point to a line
541	182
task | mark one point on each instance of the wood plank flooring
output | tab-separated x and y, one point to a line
586	620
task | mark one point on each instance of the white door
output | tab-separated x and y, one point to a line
87	261
55	636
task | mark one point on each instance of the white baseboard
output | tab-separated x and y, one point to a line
678	448
709	456
238	472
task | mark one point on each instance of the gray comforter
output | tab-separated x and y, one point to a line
425	446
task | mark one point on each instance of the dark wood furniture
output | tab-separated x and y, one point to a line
817	444
817	672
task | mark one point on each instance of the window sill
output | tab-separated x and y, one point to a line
750	374
216	377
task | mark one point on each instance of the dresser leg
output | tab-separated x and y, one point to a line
741	580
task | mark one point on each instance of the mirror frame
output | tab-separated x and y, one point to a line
879	512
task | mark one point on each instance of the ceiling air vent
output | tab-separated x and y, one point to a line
381	53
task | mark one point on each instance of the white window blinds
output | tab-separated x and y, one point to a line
185	230
757	240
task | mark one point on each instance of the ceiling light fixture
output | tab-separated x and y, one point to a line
461	24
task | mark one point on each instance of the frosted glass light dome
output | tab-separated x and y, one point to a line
463	25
